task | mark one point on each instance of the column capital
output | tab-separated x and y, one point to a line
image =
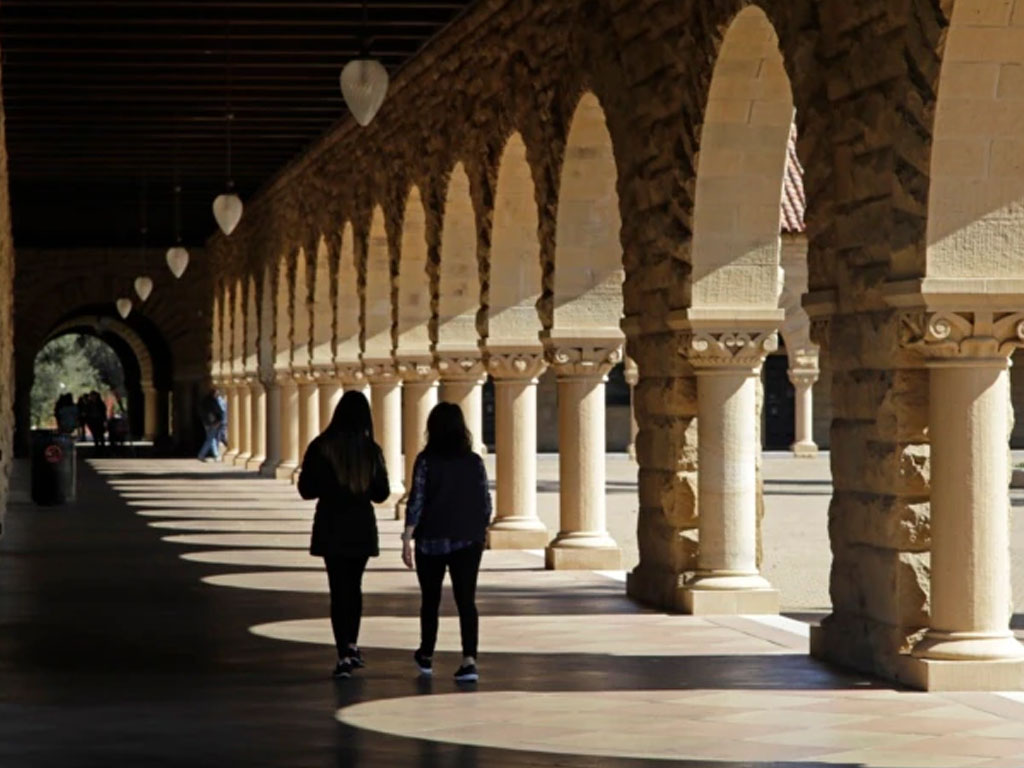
585	359
460	366
416	370
963	336
630	372
803	377
323	372
510	364
726	348
380	371
350	372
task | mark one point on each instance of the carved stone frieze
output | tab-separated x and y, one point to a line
516	365
583	360
949	335
350	373
456	367
417	371
380	371
723	348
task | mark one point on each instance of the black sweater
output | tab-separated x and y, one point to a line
345	524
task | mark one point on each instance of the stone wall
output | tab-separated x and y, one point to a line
863	76
59	288
6	324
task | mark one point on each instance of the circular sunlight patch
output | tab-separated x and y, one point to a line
234	526
271	540
842	727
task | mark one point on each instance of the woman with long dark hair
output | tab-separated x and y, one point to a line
344	470
447	514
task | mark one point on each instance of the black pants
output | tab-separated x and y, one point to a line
345	575
464	565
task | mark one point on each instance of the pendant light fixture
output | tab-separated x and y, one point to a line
177	256
364	82
124	307
227	207
143	283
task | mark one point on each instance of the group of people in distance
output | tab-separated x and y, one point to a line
90	412
447	512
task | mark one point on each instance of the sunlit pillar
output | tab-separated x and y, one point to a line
309	415
258	422
803	384
329	394
244	424
583	540
289	427
386	404
632	376
727	580
419	396
232	396
515	524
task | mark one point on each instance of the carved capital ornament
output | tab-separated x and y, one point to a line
948	335
713	348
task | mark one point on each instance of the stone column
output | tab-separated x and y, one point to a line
258	425
289	427
329	394
419	396
272	412
803	382
244	424
632	376
515	524
309	416
150	413
583	541
728	366
386	404
968	644
462	379
232	394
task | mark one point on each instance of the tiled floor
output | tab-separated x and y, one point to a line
172	617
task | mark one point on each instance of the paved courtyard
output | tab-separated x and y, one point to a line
173	617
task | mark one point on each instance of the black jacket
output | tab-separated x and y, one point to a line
345	524
456	504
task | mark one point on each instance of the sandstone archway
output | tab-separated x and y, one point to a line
347	307
413	300
459	278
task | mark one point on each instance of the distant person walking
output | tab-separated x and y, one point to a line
344	470
447	514
96	418
67	414
213	415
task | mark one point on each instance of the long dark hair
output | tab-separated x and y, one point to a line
446	431
348	443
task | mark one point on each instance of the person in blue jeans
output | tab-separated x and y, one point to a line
447	514
213	412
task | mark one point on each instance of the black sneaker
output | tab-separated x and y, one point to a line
342	669
356	657
423	663
466	674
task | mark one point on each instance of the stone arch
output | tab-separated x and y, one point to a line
459	278
301	324
515	275
377	312
283	318
975	218
740	166
413	301
588	253
347	300
323	307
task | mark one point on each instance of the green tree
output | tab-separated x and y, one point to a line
75	364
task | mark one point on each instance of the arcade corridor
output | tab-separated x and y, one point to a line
206	649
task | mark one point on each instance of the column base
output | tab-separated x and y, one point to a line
255	464
509	533
732	602
295	475
285	470
241	460
229	457
936	675
589	552
269	468
728	593
804	450
969	647
654	587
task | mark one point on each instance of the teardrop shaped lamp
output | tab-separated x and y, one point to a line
177	260
143	286
227	210
124	308
364	84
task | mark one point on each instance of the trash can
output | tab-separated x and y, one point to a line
53	468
